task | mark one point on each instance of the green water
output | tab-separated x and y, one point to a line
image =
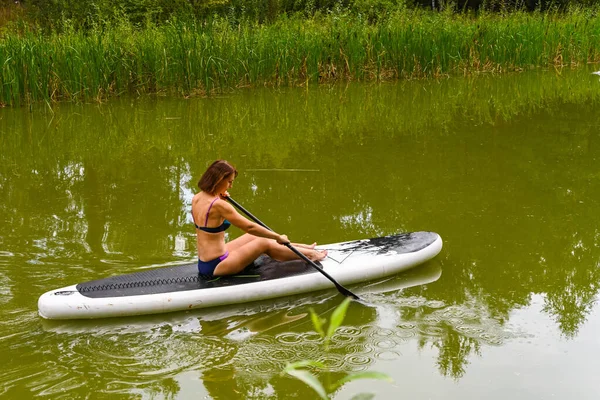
504	168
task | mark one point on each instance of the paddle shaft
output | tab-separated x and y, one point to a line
339	287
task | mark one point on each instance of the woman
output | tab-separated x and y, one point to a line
213	215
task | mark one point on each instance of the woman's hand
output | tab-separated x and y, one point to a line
224	195
283	239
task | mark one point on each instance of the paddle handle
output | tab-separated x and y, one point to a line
339	287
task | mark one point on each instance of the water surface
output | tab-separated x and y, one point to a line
504	168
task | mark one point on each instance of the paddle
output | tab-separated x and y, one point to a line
339	287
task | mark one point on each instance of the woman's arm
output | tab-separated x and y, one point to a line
231	214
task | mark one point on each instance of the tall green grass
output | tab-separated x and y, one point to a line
200	57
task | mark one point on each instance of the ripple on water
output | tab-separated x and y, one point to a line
360	348
435	304
294	338
341	339
36	377
383	332
332	362
387	355
355	348
492	338
432	319
406	330
431	330
358	361
257	358
415	302
131	357
386	344
261	341
467	315
350	330
5	288
262	356
381	336
412	302
18	373
468	330
307	350
16	328
263	367
62	387
407	325
452	312
472	323
280	355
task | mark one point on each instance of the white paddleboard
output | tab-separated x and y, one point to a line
179	287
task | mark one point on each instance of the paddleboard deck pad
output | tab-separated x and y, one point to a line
180	287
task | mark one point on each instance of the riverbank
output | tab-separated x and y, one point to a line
199	58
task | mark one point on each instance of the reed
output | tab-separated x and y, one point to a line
200	57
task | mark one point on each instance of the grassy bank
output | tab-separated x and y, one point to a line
201	57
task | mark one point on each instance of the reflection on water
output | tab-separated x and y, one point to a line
242	344
504	168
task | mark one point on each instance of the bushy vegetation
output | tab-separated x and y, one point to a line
151	49
51	14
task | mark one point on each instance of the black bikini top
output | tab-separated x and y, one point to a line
221	228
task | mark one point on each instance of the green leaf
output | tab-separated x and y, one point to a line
338	317
310	380
361	375
317	322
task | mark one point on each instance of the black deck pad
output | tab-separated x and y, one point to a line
185	277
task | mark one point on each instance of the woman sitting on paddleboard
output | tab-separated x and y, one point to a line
213	215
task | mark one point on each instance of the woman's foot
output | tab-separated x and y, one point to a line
317	255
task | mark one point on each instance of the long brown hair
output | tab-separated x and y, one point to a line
217	171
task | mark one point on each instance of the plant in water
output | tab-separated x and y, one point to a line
299	370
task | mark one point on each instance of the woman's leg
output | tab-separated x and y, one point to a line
246	238
242	256
239	242
305	246
239	258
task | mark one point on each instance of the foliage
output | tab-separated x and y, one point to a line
189	56
299	369
53	14
375	10
141	12
337	317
